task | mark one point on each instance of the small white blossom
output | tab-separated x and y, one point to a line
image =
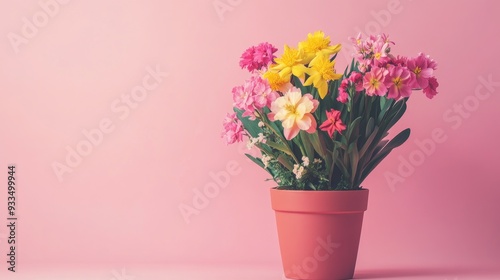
305	161
265	160
317	160
298	170
260	124
261	138
251	143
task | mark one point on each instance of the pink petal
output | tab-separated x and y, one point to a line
292	132
312	128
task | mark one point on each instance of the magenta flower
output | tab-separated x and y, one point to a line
343	95
431	90
333	123
399	61
422	68
357	80
399	81
257	57
233	129
373	81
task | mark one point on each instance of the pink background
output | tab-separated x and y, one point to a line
120	205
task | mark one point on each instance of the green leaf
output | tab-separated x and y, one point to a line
369	126
384	151
382	103
390	113
352	128
316	143
264	148
251	126
285	162
340	145
279	146
372	164
256	160
396	116
308	147
341	166
354	163
333	57
274	125
298	84
383	110
399	139
369	142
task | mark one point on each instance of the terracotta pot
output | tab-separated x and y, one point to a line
319	231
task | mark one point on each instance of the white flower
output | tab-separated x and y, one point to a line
298	170
305	161
265	160
317	160
261	138
260	124
251	143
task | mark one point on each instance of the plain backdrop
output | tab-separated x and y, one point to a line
67	68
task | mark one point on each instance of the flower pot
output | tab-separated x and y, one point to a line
319	231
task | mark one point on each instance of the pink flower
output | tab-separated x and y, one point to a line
262	93
364	65
243	99
380	50
422	68
254	94
333	123
257	57
385	39
399	80
431	90
373	81
233	129
372	51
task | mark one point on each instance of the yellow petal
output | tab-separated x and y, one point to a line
323	89
299	71
309	81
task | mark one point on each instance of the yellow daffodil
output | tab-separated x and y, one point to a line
317	43
276	82
291	62
321	72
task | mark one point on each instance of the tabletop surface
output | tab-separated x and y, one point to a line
239	272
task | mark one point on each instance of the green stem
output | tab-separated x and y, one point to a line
265	121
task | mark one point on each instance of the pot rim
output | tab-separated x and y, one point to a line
344	201
320	191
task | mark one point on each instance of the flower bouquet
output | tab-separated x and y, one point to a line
318	129
320	134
